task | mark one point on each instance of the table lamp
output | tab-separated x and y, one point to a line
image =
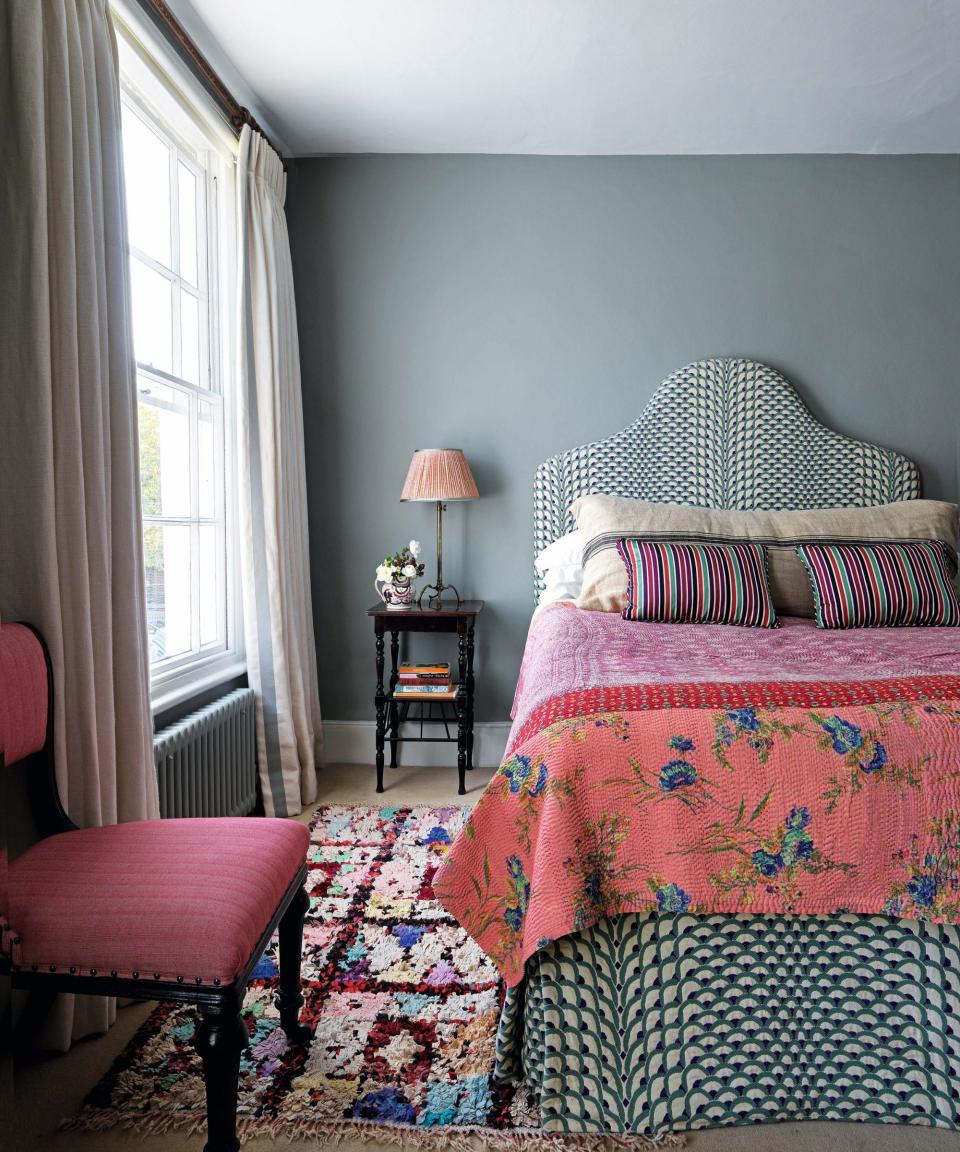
439	474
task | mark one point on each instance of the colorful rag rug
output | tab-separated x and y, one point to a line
764	791
403	1007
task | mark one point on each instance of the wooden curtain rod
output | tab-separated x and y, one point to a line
175	32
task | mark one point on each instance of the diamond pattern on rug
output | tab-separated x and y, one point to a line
402	1004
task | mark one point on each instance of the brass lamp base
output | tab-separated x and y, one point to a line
435	599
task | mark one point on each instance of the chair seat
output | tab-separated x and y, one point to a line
176	900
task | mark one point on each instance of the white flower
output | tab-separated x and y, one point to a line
383	572
410	571
415	548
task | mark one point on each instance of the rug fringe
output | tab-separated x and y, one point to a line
324	1133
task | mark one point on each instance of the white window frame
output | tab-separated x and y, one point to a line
156	84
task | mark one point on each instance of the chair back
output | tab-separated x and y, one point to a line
26	722
24	693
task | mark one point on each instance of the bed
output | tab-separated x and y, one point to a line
652	985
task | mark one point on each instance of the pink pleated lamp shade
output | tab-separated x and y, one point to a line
439	474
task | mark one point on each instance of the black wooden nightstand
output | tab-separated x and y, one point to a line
391	712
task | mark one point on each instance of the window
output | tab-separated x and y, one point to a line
178	171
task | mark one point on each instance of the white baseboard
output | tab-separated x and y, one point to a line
355	742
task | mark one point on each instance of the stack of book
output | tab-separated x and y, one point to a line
425	682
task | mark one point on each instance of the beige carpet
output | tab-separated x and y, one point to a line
54	1088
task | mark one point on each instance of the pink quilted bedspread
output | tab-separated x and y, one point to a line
705	768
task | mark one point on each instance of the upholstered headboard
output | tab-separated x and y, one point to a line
722	434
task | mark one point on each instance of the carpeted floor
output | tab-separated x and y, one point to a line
54	1087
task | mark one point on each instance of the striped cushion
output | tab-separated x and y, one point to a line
697	583
881	585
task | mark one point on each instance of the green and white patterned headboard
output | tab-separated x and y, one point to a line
722	434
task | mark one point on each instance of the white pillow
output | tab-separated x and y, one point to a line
567	552
561	584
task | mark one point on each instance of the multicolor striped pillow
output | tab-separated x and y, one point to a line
697	583
881	585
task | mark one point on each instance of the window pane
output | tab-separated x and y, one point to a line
211	614
187	189
167	561
146	170
189	338
183	473
152	317
207	459
164	449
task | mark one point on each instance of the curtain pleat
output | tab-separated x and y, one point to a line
275	564
71	559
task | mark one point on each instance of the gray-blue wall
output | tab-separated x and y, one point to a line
517	306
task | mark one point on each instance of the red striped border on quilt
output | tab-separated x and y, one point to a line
697	583
583	703
881	585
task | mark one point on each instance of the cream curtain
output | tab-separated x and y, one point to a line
275	564
71	555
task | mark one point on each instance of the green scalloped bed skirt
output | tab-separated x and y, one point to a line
649	1024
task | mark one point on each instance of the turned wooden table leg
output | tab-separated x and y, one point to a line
470	691
394	659
462	708
380	703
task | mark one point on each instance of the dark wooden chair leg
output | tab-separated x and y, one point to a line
289	997
221	1038
32	1018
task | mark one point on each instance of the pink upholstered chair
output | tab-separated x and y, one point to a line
154	909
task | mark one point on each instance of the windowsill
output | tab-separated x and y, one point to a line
176	690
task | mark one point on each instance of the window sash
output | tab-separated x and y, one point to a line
155	90
194	520
207	256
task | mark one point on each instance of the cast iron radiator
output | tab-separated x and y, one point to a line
207	762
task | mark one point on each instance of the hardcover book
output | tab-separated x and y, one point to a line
427	691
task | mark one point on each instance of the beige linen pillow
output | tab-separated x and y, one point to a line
603	520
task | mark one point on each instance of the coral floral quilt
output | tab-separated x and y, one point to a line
707	768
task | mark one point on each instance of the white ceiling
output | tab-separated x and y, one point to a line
597	76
